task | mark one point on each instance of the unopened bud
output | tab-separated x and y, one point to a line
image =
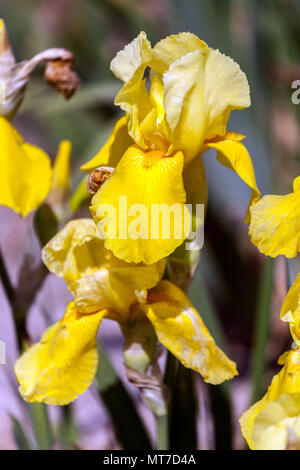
15	76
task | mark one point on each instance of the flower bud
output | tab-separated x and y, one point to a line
15	76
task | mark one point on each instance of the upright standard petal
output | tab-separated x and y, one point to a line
201	88
226	88
129	65
180	328
234	155
25	172
275	224
140	210
63	364
172	48
184	84
135	54
113	149
290	311
265	424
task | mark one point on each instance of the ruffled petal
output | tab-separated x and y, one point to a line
117	288
275	224
258	422
130	204
290	311
226	88
25	172
234	155
76	251
173	47
276	422
134	54
113	149
201	88
63	364
94	275
180	328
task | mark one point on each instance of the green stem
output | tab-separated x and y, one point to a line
41	425
162	423
261	330
9	290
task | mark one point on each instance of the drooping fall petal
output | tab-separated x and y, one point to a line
234	155
180	328
143	186
63	364
275	224
25	172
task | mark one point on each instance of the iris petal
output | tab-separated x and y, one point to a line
63	364
180	328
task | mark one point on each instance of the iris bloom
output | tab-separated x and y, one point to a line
275	223
273	423
167	126
63	364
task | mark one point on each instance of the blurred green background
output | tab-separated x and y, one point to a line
238	293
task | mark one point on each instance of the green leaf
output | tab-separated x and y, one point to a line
41	425
183	411
21	438
80	195
45	224
67	431
261	330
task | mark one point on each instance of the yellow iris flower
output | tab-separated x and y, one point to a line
273	423
25	171
193	88
268	424
275	223
63	364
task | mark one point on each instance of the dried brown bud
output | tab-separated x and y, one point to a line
14	76
60	75
98	177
